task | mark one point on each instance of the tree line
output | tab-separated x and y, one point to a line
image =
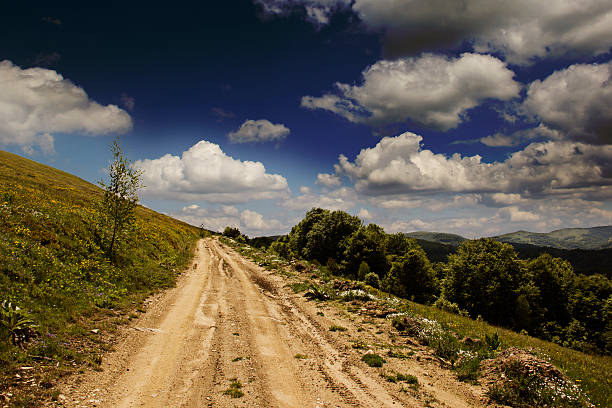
484	278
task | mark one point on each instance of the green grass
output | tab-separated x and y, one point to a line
52	265
336	327
591	372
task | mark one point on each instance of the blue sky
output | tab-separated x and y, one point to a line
477	117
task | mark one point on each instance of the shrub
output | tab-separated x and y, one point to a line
355	294
335	327
444	304
523	389
372	279
320	292
364	269
16	323
493	341
373	360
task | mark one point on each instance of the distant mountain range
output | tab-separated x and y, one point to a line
567	238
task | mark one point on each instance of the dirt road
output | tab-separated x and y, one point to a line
230	322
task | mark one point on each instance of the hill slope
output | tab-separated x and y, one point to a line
567	238
53	266
439	237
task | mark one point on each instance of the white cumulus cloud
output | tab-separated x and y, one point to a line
521	30
328	180
399	165
433	90
576	102
258	131
205	172
36	103
254	221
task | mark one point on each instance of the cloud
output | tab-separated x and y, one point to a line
127	101
521	30
258	131
222	114
514	214
521	136
214	219
433	90
254	221
328	180
364	214
36	103
340	199
205	172
399	165
576	102
217	218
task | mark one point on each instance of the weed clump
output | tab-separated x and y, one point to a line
234	390
373	360
336	327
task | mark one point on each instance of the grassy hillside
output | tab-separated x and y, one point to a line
589	372
53	269
568	238
439	237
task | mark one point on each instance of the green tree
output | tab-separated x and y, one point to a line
554	279
118	205
411	276
483	277
231	232
366	245
327	237
299	233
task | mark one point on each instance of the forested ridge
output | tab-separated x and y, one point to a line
484	278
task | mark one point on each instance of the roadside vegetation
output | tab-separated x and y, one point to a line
476	312
62	281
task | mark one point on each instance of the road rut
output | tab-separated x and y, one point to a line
231	325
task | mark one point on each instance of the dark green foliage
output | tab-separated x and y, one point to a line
372	279
492	341
327	238
299	233
542	296
282	248
364	270
411	276
231	232
365	246
483	277
468	370
373	360
15	324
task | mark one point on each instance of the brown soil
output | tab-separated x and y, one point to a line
229	320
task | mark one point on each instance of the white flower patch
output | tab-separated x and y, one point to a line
356	294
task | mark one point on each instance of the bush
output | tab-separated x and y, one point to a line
493	341
355	294
373	360
443	304
364	269
372	279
